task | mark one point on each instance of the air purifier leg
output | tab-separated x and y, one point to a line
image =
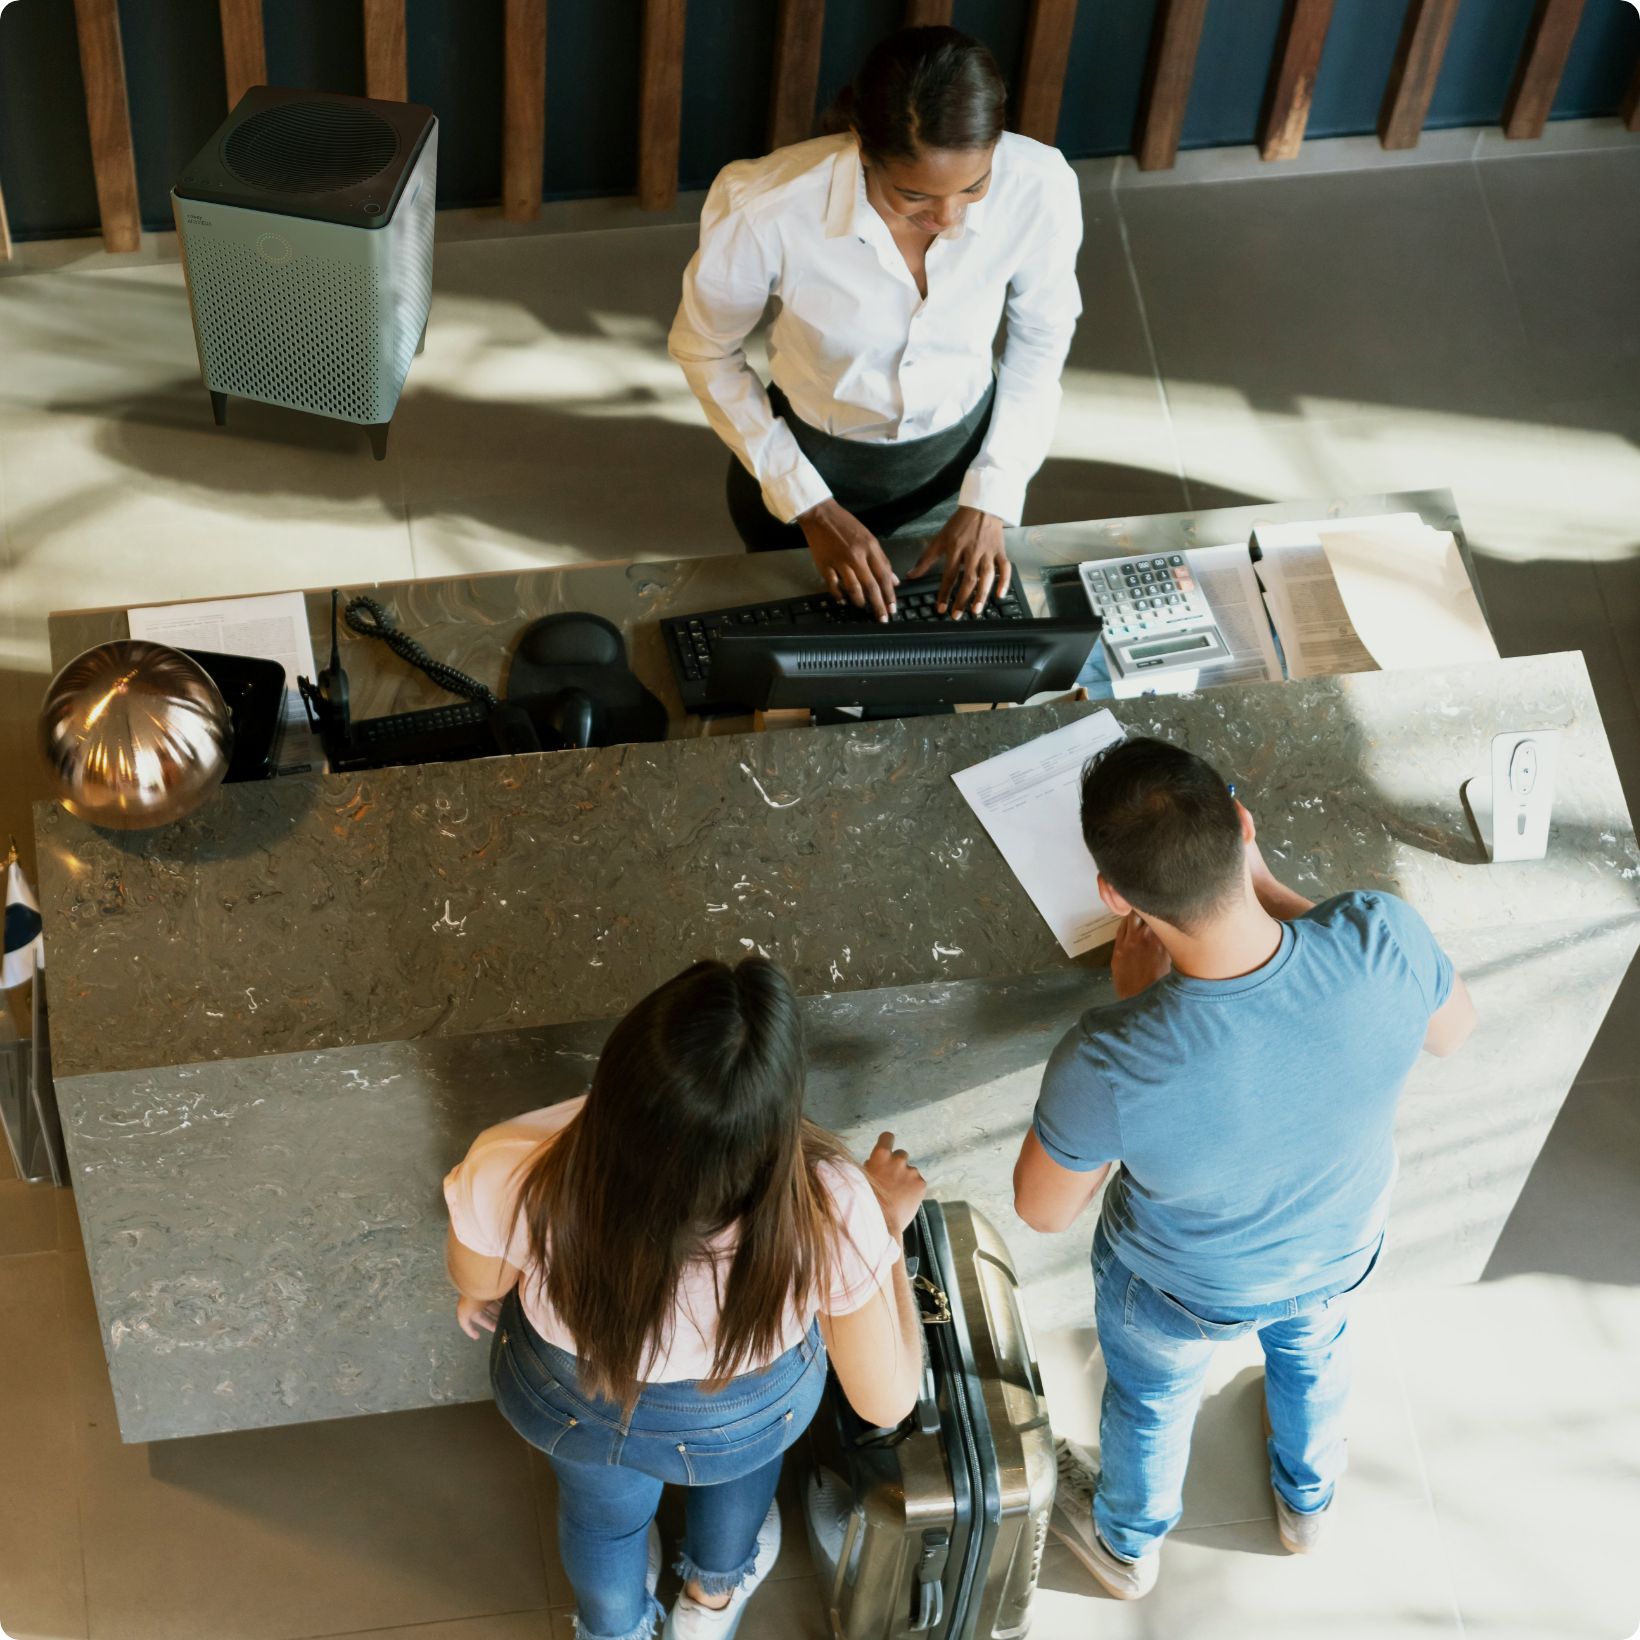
219	407
378	438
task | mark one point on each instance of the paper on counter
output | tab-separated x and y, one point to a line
270	628
1029	800
1317	635
1409	596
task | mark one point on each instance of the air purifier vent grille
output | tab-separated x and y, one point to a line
304	332
310	147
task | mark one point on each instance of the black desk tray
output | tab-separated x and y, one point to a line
255	693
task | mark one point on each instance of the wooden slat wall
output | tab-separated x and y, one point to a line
1413	74
523	109
1291	85
384	70
1542	61
243	52
1174	37
926	13
1042	68
102	67
798	30
660	103
1631	101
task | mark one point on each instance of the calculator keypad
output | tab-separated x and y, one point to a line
1138	595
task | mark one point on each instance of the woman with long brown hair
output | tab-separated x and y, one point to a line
666	1264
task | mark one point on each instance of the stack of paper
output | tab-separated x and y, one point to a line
1365	594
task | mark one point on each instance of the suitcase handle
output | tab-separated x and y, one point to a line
936	1545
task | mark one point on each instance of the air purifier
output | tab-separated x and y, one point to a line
306	228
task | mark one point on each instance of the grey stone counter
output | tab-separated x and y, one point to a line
395	967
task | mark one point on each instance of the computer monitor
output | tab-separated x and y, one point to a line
766	668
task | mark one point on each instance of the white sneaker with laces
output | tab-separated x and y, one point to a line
1072	1523
689	1620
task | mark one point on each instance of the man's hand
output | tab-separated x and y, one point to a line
975	561
850	561
473	1313
1140	958
899	1186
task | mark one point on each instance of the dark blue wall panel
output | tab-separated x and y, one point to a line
316	45
728	58
1232	66
1355	65
174	69
45	150
1597	72
592	97
177	87
1102	77
453	57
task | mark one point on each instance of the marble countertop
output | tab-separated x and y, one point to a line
320	911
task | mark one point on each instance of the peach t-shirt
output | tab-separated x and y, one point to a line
480	1193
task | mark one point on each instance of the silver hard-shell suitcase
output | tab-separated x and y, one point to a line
935	1528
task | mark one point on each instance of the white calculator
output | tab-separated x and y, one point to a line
1154	614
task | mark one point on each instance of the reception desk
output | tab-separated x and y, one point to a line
280	1021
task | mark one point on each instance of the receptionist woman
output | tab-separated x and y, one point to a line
894	247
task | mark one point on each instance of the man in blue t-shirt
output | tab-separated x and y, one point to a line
1246	1081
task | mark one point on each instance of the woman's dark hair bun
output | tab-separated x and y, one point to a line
922	88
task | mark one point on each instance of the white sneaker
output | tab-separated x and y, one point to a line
654	1577
689	1620
1072	1523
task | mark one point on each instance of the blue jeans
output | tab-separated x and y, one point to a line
1156	1356
725	1448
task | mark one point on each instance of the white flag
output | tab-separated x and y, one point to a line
24	947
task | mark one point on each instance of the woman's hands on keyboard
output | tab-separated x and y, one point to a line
976	561
850	561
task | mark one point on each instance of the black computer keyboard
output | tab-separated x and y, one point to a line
689	638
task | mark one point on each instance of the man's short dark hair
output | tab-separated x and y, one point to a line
1163	829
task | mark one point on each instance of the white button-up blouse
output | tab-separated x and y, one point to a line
856	349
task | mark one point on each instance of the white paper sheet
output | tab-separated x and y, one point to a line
1409	596
1317	635
271	627
1029	800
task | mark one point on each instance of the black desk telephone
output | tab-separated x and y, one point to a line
482	726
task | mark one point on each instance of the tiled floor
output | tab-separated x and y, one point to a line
1334	331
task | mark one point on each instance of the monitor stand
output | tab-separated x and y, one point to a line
823	716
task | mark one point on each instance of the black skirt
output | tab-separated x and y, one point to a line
905	488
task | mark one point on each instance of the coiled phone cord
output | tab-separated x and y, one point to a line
407	649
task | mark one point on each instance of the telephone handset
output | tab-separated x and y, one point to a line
481	726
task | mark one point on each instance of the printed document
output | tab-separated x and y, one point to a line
270	628
1029	800
1409	596
1317	635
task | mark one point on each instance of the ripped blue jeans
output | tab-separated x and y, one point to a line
725	1449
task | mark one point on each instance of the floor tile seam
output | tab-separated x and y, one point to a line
1503	260
430	1624
1150	340
1392	1332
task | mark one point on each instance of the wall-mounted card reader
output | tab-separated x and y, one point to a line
1154	613
1511	806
